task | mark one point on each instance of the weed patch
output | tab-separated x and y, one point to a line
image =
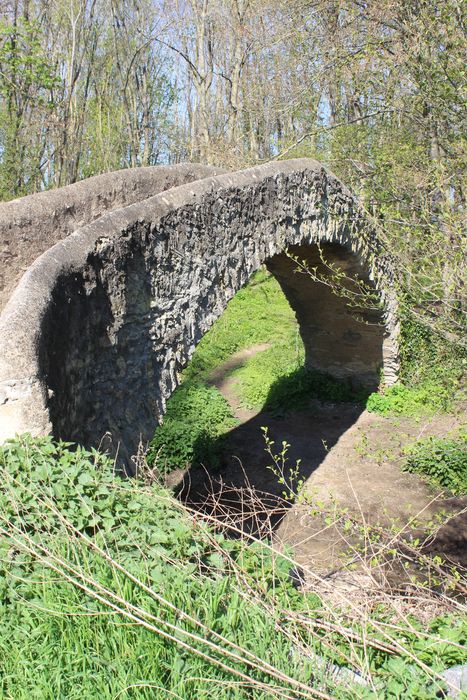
431	369
443	461
197	416
400	400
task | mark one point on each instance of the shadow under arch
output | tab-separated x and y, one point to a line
309	408
244	488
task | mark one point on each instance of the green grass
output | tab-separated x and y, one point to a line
109	590
274	381
424	399
59	641
258	313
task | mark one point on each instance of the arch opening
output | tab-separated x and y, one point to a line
108	380
264	383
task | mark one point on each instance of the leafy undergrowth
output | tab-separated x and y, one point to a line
443	461
427	398
197	417
431	374
110	589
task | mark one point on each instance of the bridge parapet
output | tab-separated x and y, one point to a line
31	225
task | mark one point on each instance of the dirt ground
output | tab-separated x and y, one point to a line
350	463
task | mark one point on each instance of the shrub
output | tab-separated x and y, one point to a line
402	400
46	482
430	372
196	418
443	461
426	356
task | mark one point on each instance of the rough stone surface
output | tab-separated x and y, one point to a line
31	225
336	340
456	677
94	337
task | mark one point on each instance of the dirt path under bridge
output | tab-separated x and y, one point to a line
350	462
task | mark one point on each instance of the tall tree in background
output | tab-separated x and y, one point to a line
27	82
81	91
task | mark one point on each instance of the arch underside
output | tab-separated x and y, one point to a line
117	329
343	335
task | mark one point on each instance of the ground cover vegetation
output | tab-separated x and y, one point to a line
119	593
109	590
443	461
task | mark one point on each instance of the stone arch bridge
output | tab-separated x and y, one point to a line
125	272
